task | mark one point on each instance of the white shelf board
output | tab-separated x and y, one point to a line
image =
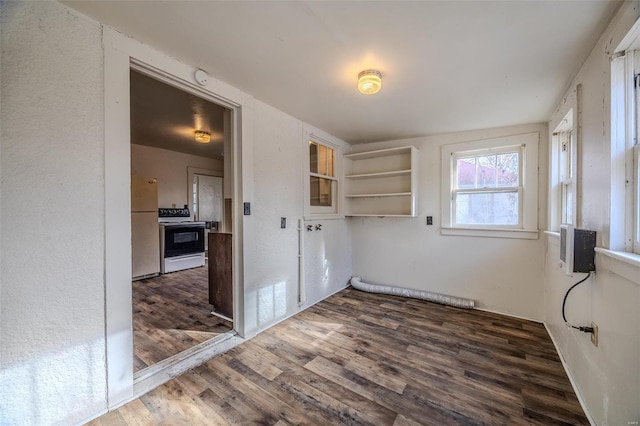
390	194
379	153
378	215
380	174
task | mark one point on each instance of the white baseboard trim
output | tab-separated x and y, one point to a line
509	315
583	404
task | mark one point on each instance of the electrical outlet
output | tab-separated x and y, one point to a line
594	335
429	220
247	209
283	222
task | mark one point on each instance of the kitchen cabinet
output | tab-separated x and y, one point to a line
220	274
382	182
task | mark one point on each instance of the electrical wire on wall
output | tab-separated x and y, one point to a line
564	317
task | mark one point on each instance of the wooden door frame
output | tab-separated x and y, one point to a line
121	54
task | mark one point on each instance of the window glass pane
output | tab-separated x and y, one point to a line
508	169
489	171
320	191
466	170
486	171
330	162
493	208
322	159
313	157
566	207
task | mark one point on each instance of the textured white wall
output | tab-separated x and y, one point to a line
171	170
328	258
607	377
500	274
52	350
271	253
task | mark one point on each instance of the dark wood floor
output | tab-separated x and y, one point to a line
359	358
171	313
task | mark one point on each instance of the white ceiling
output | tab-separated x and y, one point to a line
447	66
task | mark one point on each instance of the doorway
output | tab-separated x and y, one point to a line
171	311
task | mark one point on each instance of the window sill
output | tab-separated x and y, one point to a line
491	233
626	265
323	216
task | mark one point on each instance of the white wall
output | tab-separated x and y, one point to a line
170	168
327	258
55	221
500	274
52	349
271	276
607	377
271	272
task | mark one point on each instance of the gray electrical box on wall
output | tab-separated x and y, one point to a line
584	254
577	249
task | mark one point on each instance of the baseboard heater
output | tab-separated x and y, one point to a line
442	299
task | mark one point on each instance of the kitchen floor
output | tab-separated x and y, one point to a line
171	313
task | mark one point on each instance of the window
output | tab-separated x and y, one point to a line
322	176
563	192
567	178
625	167
490	187
486	189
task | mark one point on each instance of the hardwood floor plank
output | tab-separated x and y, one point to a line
340	404
171	313
369	359
136	414
251	391
259	361
296	401
243	406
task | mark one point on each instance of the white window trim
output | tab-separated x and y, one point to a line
562	162
481	152
624	167
311	133
529	214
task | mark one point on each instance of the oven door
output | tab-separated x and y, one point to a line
181	239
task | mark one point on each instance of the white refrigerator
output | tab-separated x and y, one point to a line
145	244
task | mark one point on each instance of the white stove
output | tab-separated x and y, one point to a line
182	244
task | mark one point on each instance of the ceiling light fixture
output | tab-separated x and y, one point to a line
202	136
369	82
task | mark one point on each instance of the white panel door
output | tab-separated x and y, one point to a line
209	198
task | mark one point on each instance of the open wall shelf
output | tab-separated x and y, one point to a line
382	182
